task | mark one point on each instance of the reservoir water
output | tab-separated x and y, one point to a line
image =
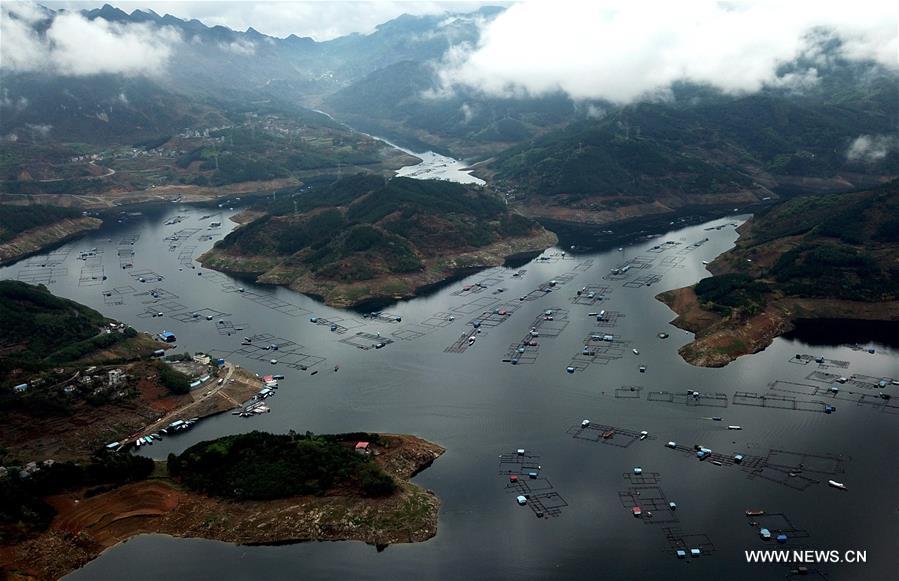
479	406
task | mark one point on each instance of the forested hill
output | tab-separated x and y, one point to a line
708	144
814	257
365	228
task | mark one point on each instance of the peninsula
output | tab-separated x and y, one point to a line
822	257
369	238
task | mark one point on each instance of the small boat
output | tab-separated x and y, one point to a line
717	462
716	418
643	434
585	423
734	428
638	470
754	512
637	511
765	534
835	484
642	369
608	434
672	505
522	500
636	352
513	478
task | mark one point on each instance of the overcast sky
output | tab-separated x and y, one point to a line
617	50
321	20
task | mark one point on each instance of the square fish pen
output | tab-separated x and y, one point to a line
606	435
677	539
644	280
366	340
652	501
518	464
715	400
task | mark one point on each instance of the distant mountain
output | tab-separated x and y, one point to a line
560	158
396	102
213	69
701	146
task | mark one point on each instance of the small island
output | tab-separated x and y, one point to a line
254	488
821	257
367	238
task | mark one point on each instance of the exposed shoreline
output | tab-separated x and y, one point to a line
85	527
719	340
43	238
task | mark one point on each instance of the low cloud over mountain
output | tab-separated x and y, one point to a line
73	45
623	51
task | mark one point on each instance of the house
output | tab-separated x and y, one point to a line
363	448
115	377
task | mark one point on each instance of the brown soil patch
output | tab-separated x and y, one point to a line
720	340
84	527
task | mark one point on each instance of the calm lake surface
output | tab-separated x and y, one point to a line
478	407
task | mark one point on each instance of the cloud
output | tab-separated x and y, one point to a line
622	51
16	103
240	46
870	148
76	46
40	130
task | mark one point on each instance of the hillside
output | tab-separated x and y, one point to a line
834	256
28	229
702	148
366	237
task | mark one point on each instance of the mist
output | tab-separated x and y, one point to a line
76	46
625	51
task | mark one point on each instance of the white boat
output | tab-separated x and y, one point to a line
643	434
734	427
636	352
835	484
